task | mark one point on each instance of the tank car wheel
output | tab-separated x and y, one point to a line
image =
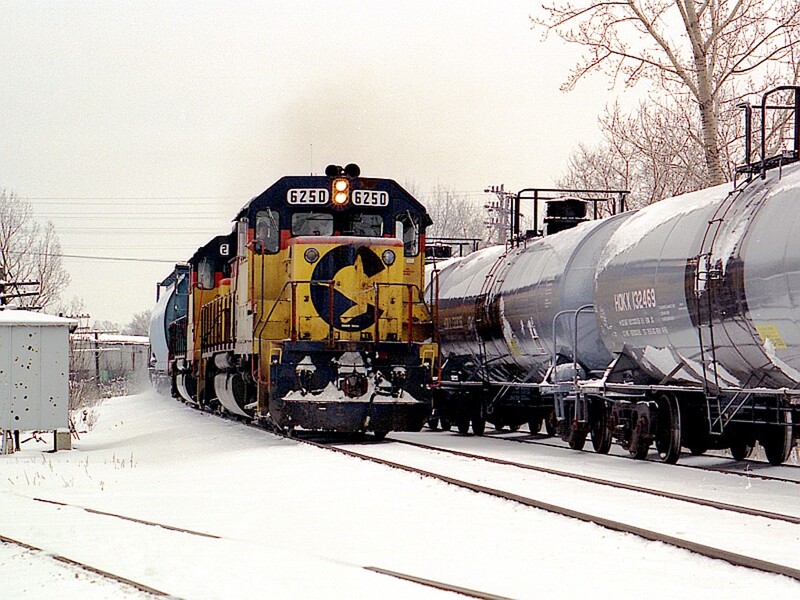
777	440
668	430
462	424
379	435
741	449
535	424
640	445
601	434
478	426
445	425
577	439
514	428
551	423
498	426
433	423
697	450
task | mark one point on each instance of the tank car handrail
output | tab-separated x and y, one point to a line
796	109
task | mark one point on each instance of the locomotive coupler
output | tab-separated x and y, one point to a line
398	378
305	374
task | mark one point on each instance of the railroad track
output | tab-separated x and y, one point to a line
744	510
142	587
733	558
88	568
748	471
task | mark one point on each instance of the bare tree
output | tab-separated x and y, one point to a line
694	51
454	215
139	324
30	252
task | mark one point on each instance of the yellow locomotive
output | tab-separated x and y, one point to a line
310	313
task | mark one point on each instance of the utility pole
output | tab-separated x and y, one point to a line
5	288
499	220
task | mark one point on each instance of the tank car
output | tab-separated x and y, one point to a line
310	313
678	324
171	305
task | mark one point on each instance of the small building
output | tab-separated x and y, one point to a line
34	371
106	357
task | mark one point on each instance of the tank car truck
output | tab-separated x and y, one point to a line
677	325
310	314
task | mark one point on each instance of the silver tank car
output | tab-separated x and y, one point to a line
678	325
703	288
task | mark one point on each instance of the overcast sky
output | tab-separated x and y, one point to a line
140	128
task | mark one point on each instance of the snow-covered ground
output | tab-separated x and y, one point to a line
292	521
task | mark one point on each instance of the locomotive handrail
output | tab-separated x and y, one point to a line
211	315
262	323
421	301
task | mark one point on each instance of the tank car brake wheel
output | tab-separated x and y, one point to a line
668	430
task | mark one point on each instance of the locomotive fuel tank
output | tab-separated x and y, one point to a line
706	286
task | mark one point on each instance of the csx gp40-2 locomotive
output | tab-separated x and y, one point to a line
310	313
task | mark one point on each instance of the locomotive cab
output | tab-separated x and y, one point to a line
311	313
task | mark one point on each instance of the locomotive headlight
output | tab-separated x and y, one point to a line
341	189
311	255
388	257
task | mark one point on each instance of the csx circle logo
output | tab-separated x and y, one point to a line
327	269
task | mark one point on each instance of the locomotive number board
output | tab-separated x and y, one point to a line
370	198
313	196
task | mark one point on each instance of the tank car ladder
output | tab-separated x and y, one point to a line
705	273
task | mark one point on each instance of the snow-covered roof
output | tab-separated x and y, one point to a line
26	317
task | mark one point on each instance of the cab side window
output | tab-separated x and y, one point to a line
408	231
268	231
205	275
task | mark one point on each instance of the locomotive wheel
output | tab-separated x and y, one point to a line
741	449
668	431
601	434
777	440
535	424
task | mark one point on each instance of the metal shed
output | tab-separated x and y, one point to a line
34	371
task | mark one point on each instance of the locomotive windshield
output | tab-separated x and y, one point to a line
312	223
364	225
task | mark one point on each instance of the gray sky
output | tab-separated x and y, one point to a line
140	128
